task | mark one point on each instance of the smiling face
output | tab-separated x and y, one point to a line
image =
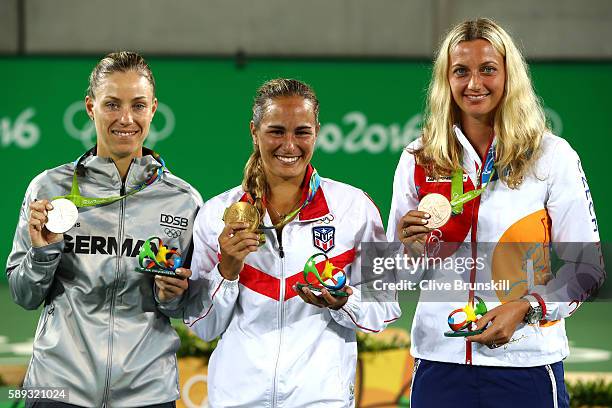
122	111
477	76
286	137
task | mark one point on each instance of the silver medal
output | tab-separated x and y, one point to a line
62	217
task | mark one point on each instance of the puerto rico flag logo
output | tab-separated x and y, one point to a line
323	238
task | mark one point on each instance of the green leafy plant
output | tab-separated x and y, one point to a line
596	393
192	345
366	343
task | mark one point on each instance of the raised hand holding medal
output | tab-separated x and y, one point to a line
50	220
64	209
39	235
441	209
244	222
246	211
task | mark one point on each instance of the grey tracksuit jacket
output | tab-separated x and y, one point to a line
102	334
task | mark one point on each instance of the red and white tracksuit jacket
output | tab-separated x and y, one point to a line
275	349
553	205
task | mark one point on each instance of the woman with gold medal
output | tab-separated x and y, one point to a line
487	173
283	343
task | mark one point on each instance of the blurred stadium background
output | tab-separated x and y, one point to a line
369	62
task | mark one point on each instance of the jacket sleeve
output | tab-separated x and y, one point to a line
368	310
174	308
574	236
30	271
405	198
211	298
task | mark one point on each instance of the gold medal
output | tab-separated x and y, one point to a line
438	207
242	211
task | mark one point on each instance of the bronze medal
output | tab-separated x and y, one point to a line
438	207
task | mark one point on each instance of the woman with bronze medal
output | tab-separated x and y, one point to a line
285	341
104	338
487	173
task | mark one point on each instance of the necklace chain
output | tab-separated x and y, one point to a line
281	216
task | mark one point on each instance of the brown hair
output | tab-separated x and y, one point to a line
254	181
122	61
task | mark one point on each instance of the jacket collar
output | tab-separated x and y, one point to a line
105	172
316	209
468	149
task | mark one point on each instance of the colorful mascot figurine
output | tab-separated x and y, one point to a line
157	259
331	278
460	320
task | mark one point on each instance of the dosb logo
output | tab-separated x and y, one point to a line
173	221
172	225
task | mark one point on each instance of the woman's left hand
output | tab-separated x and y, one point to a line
504	321
326	299
170	288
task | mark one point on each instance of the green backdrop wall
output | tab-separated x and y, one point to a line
369	112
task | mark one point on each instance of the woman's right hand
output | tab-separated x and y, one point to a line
412	231
236	243
39	234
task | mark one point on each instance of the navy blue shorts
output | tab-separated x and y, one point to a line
438	385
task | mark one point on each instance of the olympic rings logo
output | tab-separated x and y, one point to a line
79	127
172	233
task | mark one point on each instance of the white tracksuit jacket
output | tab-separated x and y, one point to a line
553	205
275	349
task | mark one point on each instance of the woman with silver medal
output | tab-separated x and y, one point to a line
282	343
487	173
104	335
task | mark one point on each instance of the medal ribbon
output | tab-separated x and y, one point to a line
79	201
313	186
458	197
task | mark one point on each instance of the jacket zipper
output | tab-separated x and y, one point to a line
474	240
109	358
281	302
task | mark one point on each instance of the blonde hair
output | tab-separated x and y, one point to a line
254	180
519	121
